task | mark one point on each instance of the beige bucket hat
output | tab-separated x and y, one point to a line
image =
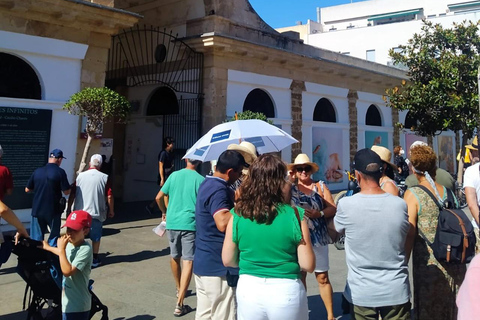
385	155
303	159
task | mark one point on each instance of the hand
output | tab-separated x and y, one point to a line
111	214
44	245
19	235
164	217
162	182
62	242
312	213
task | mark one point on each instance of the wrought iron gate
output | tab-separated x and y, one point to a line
146	56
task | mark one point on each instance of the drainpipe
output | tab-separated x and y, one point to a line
318	15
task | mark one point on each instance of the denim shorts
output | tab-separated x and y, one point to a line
96	230
76	315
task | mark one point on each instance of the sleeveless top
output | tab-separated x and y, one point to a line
317	226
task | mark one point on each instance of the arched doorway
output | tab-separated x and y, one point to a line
163	102
18	79
324	111
259	101
373	117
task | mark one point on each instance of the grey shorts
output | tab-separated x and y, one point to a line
182	244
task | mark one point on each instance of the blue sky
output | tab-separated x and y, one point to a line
284	13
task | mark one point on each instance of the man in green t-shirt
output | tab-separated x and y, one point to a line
181	190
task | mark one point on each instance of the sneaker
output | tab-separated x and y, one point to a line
96	263
149	210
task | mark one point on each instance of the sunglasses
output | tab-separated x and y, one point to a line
306	169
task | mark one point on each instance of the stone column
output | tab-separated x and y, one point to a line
352	116
396	129
297	87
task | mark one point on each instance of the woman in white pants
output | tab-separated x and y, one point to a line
270	242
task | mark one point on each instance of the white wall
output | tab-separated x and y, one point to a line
58	66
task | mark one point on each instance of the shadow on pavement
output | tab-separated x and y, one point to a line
141	317
318	311
14	316
132	211
6	271
134	257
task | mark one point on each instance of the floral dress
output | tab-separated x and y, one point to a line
318	226
435	284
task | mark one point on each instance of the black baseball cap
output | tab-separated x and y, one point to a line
367	161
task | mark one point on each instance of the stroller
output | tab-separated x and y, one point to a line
41	271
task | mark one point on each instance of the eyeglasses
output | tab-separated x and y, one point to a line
306	169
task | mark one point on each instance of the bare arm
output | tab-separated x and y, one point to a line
471	195
412	204
160	203
221	219
160	171
330	208
110	201
7	214
67	269
305	255
391	188
230	249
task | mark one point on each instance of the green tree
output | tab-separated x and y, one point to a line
442	93
247	115
99	105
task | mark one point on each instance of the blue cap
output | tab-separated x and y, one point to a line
57	153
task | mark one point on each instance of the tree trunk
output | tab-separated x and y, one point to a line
83	162
461	161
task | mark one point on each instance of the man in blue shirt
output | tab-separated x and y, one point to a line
48	183
215	298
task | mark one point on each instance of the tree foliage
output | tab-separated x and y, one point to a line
247	115
442	93
99	105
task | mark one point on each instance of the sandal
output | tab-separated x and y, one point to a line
182	310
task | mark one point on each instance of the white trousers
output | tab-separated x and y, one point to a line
215	299
271	299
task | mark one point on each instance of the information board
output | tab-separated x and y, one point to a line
25	139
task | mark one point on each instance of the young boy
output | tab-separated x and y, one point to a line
75	256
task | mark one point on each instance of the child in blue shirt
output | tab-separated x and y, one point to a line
76	257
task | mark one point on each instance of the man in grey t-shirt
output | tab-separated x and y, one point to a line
375	224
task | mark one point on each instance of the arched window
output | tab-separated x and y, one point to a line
18	79
259	101
373	117
163	102
324	111
410	122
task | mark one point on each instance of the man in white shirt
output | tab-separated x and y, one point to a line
471	183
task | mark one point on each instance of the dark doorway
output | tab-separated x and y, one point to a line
373	117
18	79
163	102
259	101
324	111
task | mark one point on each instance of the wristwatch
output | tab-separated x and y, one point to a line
322	214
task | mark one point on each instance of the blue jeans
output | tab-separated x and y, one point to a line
38	228
76	315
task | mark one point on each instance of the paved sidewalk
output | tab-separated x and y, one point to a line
135	280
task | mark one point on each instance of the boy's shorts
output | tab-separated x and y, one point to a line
76	315
96	230
182	244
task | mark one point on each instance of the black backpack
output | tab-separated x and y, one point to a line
454	238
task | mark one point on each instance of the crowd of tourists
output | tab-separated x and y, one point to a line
249	232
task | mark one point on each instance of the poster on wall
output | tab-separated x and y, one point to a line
446	158
25	139
411	138
327	153
376	138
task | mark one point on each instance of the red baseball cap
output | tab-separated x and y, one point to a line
77	220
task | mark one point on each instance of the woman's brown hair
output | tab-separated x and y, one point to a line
396	150
262	191
423	159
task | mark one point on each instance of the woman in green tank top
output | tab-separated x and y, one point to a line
270	242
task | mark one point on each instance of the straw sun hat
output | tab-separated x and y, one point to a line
384	154
246	149
303	159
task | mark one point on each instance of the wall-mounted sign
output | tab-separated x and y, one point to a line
25	139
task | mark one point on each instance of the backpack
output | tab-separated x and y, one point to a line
454	238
